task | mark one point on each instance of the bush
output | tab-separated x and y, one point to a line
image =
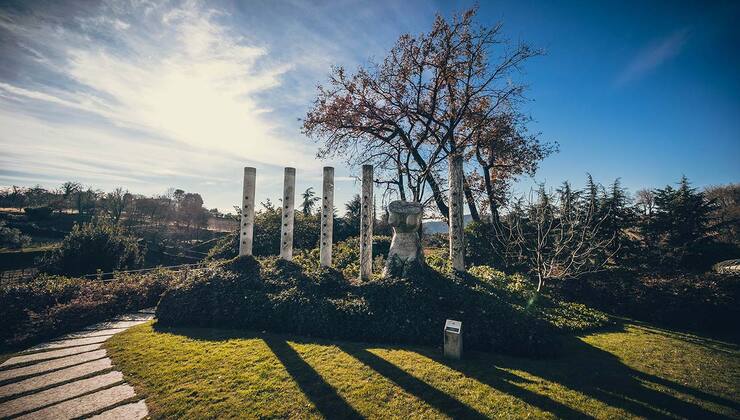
50	305
38	213
705	302
95	246
267	235
12	238
302	298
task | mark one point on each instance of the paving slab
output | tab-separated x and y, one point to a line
58	394
84	405
134	317
114	324
133	411
73	342
35	357
50	365
47	380
71	377
91	333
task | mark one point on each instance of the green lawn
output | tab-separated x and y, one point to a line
641	371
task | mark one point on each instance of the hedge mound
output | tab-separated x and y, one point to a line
282	296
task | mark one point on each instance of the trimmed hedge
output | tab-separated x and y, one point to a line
281	296
51	305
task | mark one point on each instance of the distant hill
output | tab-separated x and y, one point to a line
439	226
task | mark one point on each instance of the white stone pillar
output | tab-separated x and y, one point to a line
327	217
366	223
286	226
247	224
456	232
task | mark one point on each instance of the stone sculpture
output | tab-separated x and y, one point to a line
405	250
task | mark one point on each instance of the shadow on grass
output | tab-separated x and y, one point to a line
322	395
585	369
595	373
422	390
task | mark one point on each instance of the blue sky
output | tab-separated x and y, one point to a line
150	95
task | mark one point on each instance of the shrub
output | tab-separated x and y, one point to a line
12	238
267	235
225	248
346	255
50	305
95	246
38	213
705	302
300	297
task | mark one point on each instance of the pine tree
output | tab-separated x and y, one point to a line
618	217
680	222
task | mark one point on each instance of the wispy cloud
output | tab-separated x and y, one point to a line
183	93
175	73
653	56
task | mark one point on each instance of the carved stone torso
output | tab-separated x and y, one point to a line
405	218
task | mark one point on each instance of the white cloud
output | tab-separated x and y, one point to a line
652	56
188	79
148	94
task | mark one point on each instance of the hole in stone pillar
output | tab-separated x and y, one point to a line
244	242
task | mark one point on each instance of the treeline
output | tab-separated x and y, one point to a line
568	232
175	206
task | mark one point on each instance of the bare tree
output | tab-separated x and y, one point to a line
116	202
556	235
422	103
504	150
645	201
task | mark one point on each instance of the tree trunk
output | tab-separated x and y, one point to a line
471	200
493	208
436	192
401	190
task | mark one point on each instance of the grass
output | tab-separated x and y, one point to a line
641	371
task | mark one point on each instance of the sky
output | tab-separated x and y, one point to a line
150	95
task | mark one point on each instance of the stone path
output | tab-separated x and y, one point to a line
71	377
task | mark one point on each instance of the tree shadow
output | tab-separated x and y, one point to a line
322	395
422	390
592	372
325	397
583	368
499	380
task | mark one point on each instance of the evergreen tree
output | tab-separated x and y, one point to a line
618	217
680	223
309	201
